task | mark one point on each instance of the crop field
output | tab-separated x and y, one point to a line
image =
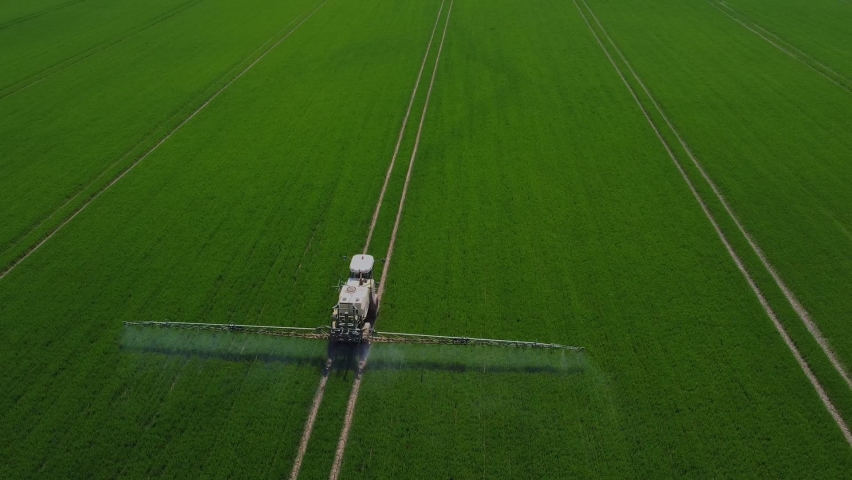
666	184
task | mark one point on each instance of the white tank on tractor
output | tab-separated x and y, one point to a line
353	316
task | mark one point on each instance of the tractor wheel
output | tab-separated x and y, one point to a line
371	312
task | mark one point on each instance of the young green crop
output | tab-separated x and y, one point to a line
66	137
242	215
34	49
770	132
543	207
13	13
819	29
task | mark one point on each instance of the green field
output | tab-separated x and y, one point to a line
213	160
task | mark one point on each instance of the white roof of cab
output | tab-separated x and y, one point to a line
361	264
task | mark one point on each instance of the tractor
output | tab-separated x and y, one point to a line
353	317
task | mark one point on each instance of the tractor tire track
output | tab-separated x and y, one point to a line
401	134
52	70
154	148
844	428
347	422
792	299
31	16
309	424
791	51
142	142
411	162
356	386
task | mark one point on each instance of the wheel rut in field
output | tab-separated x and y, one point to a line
33	15
356	386
783	46
789	295
157	145
826	400
148	139
309	424
48	72
401	134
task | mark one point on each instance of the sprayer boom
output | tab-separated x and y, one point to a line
323	333
318	333
386	337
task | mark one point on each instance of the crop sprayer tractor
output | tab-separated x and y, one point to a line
355	313
353	320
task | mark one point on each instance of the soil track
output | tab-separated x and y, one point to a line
33	15
844	428
797	54
411	163
91	52
794	302
347	422
144	141
356	386
309	424
401	133
154	148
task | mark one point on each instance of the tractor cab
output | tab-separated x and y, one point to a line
351	318
361	269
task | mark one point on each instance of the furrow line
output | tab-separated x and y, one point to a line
347	422
401	133
779	39
145	140
152	149
356	386
309	424
411	164
798	53
52	70
31	16
844	428
792	299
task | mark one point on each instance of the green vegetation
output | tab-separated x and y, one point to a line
527	221
779	133
70	134
13	12
542	207
243	214
34	49
819	28
430	422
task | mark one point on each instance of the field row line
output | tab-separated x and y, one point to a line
794	302
399	210
791	50
151	135
33	15
155	414
318	396
356	386
401	134
309	423
52	70
151	150
722	237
